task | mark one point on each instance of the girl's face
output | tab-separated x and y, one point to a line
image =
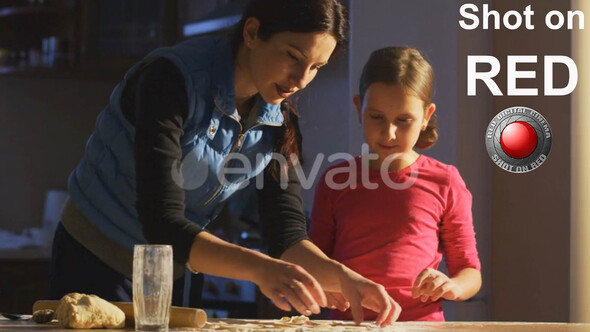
286	62
392	120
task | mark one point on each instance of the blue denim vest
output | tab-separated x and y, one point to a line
103	184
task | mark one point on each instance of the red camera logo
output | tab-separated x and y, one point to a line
518	139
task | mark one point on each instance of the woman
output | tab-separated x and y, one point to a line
160	164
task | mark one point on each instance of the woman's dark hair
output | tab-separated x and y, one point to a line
405	66
294	16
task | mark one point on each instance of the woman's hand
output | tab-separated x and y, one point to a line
434	284
363	293
290	286
336	301
346	288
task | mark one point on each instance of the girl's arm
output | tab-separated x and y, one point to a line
433	284
457	237
469	281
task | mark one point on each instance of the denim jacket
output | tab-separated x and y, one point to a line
219	155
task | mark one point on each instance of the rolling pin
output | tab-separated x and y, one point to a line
179	316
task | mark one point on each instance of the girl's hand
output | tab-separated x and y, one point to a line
434	284
290	286
363	293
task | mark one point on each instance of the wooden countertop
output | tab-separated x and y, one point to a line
6	325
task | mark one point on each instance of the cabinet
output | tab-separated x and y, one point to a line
88	39
99	38
24	279
36	33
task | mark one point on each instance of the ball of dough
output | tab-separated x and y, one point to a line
81	311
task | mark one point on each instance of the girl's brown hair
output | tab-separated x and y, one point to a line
405	66
294	16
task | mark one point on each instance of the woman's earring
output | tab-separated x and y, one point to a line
423	127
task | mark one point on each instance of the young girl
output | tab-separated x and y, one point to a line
150	170
398	212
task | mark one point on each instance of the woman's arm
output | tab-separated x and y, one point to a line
280	281
284	226
155	102
309	256
335	277
281	214
280	208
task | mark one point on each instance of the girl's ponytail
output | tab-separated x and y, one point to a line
428	136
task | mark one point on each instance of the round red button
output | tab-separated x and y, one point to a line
518	139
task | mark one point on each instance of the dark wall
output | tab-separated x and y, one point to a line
45	124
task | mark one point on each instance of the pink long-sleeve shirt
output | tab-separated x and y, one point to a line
390	234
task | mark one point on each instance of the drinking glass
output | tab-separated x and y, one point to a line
152	286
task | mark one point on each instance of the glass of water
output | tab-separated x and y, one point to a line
152	286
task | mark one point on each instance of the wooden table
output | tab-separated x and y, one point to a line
6	325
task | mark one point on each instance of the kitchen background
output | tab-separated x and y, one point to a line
60	59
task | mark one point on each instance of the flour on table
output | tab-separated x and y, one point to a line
289	324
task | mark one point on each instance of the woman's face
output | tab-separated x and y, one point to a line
287	62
